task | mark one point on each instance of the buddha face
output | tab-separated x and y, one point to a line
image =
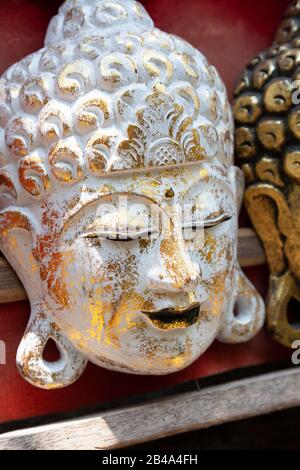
146	265
119	198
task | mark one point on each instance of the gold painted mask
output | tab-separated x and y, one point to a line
267	115
120	199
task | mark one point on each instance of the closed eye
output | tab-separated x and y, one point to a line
208	223
121	235
131	234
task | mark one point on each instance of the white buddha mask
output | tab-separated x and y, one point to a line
120	199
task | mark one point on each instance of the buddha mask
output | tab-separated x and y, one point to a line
268	147
120	199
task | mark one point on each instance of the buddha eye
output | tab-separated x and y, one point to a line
209	223
121	219
122	235
215	221
124	229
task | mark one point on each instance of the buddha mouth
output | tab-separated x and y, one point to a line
170	318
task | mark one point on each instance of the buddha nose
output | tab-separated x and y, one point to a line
174	271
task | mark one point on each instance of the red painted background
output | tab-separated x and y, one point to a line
229	33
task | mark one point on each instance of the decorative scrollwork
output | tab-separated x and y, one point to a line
74	19
109	13
33	95
66	162
117	70
289	60
129	43
20	135
132	151
75	79
91	46
187	66
50	57
127	101
7	187
92	112
99	152
165	152
33	175
128	94
208	141
5	111
278	95
263	72
158	65
54	122
187	96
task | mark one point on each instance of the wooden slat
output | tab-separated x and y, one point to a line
11	289
251	253
166	417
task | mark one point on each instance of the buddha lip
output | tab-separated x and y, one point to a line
175	317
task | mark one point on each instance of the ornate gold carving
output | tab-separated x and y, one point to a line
268	146
33	175
245	142
75	78
271	133
7	186
54	122
247	108
291	165
65	161
19	135
92	113
33	94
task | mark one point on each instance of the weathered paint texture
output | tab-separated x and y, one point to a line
120	199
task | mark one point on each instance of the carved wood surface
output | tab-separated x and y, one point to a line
251	253
165	417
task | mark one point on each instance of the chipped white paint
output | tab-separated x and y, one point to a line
116	141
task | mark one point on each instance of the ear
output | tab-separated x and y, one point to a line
17	238
237	179
34	368
246	313
272	220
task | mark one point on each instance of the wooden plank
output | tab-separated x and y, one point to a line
166	417
251	253
11	289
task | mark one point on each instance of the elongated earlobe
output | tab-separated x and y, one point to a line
246	313
35	369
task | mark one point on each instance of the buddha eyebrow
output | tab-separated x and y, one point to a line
109	198
202	184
